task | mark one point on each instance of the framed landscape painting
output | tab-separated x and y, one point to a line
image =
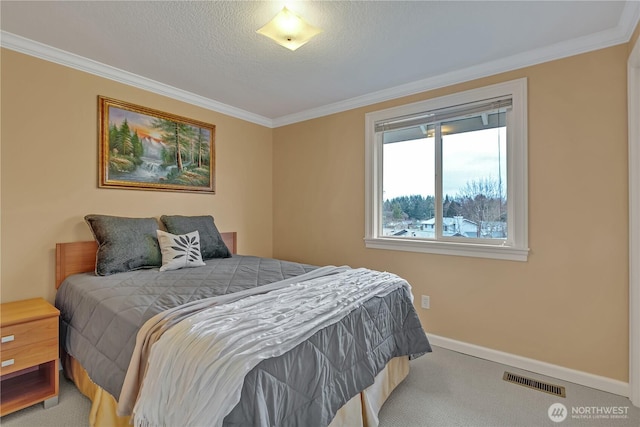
145	149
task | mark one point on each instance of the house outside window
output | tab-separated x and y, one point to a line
449	175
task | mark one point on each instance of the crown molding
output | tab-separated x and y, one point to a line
621	34
48	53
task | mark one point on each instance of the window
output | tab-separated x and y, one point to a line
449	175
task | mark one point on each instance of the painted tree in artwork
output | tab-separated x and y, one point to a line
113	135
189	135
202	148
136	145
125	148
176	135
120	139
176	139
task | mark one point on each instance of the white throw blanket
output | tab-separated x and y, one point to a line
196	369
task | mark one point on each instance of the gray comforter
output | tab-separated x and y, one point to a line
100	317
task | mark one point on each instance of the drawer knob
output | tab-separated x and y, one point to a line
7	362
8	338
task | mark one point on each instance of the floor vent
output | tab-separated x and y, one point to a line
556	390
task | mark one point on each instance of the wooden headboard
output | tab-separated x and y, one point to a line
80	257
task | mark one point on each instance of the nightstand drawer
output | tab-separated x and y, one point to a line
29	355
22	334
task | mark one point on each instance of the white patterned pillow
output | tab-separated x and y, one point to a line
179	251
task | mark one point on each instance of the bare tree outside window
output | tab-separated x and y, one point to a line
481	202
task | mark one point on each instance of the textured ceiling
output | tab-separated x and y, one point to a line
211	49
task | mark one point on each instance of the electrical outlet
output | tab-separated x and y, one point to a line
425	301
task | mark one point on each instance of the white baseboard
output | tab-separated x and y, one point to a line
571	375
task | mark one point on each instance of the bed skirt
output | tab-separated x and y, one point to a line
361	410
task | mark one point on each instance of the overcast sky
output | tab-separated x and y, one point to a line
409	166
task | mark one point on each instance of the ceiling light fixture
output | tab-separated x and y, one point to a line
289	30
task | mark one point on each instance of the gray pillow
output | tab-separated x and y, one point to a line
124	244
211	243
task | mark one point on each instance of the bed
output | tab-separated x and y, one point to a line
338	372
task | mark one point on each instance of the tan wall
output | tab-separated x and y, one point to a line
49	171
568	304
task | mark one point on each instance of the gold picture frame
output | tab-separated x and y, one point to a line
145	149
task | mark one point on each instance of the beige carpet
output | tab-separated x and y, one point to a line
444	388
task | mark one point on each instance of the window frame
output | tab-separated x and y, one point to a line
515	247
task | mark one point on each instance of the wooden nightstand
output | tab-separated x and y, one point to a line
29	353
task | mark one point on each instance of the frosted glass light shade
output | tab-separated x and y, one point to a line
289	30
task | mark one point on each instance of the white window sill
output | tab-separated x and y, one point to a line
449	248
